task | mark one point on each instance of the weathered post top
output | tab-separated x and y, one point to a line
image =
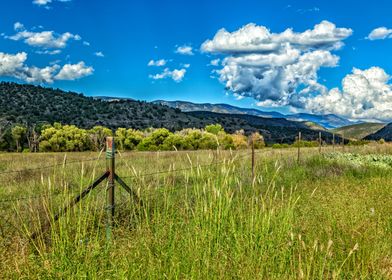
110	148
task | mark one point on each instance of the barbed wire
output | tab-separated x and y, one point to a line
188	168
48	166
16	199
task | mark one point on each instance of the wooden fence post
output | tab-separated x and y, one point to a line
253	158
110	157
333	142
343	141
299	147
320	142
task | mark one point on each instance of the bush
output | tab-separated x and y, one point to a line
214	128
307	144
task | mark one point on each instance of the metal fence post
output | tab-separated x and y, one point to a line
110	158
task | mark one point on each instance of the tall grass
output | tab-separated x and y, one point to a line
316	220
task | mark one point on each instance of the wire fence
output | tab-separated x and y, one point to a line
160	172
231	159
46	167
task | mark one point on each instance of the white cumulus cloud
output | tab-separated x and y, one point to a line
43	39
14	66
176	75
275	68
365	95
380	33
72	72
184	50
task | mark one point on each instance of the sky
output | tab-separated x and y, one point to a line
288	56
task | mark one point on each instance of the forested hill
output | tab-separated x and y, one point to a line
28	104
33	105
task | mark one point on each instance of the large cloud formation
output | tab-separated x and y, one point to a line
275	68
365	95
14	66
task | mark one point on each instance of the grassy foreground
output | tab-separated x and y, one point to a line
321	219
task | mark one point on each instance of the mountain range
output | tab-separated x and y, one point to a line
328	121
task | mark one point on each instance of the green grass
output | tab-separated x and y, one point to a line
358	131
321	219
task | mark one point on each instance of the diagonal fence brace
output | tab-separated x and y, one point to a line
64	210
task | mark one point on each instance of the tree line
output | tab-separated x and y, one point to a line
70	138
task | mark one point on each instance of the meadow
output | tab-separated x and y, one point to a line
203	215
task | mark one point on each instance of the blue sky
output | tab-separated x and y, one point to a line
109	44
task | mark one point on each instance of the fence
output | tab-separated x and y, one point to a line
112	178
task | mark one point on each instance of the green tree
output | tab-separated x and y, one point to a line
67	138
214	128
98	136
120	137
133	138
208	141
18	133
225	140
175	142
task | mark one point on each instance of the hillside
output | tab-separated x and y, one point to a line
328	121
34	105
274	130
359	131
217	108
384	133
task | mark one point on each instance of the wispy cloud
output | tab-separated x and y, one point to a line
158	63
184	50
99	54
45	3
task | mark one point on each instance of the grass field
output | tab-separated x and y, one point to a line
320	219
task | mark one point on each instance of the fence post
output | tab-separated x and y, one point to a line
343	141
299	146
333	142
110	158
320	142
253	158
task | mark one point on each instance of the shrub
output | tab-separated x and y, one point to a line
214	128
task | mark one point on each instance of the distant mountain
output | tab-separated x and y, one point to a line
384	133
328	121
111	98
35	105
274	130
359	131
217	108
